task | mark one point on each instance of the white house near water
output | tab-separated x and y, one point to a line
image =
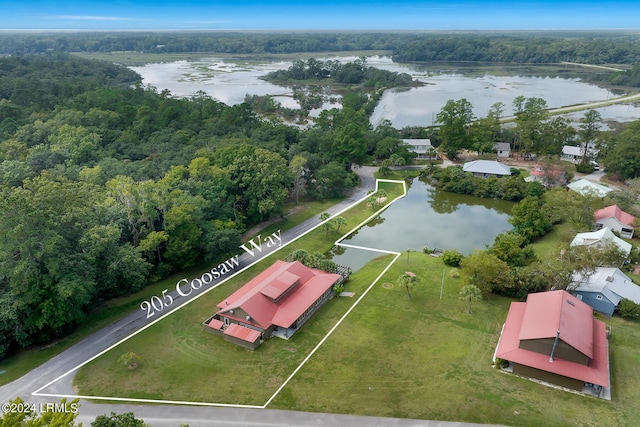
588	188
486	168
422	147
599	239
575	154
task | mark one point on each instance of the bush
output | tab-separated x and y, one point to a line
426	250
628	309
452	258
501	363
584	168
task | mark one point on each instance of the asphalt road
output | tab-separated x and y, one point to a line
194	416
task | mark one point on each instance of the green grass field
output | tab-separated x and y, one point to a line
423	357
179	353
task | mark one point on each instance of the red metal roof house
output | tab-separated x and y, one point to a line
616	219
553	337
280	299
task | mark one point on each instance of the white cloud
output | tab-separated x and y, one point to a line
92	18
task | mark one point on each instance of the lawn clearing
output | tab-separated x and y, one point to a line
426	358
185	363
422	358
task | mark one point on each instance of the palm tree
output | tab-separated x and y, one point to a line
327	225
470	293
407	279
339	221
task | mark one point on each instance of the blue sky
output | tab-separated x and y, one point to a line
318	15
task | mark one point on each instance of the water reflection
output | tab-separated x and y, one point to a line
433	218
229	82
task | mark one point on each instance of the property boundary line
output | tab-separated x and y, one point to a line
300	365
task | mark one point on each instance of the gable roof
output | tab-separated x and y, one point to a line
614	211
596	372
279	295
548	313
502	146
419	146
611	282
585	187
604	235
572	150
491	167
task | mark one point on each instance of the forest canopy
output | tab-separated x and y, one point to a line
589	47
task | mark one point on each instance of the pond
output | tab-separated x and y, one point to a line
229	82
428	217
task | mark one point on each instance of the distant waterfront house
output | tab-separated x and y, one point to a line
604	289
503	150
616	219
575	154
599	239
277	301
586	187
553	337
422	147
486	168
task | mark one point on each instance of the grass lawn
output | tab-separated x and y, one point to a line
426	358
422	357
20	363
179	353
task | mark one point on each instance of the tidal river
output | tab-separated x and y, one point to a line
229	82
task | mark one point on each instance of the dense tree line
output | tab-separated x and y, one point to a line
589	47
510	266
222	42
528	47
355	73
453	179
106	185
536	133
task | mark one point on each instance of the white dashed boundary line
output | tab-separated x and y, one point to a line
295	371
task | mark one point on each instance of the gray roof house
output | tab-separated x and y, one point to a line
574	154
486	168
503	149
604	289
422	147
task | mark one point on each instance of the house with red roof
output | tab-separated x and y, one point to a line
553	337
277	301
616	219
548	175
